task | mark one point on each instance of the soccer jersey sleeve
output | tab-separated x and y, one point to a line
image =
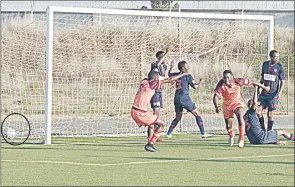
242	81
154	84
172	74
262	67
218	88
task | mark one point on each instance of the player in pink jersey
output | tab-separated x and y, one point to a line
139	112
230	90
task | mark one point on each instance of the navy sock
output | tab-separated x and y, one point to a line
269	125
172	126
200	124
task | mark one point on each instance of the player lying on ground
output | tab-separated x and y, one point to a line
255	133
272	75
230	90
139	111
160	66
182	99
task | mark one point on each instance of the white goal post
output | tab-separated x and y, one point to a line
50	39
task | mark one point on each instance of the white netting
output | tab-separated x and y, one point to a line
98	61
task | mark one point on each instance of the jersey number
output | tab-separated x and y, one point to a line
178	84
248	125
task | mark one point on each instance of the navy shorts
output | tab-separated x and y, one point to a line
268	102
181	103
266	137
156	100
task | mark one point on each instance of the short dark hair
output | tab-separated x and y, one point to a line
272	52
181	65
159	53
152	75
227	71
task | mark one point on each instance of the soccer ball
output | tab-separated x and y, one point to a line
10	133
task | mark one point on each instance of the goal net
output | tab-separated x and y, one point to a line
99	57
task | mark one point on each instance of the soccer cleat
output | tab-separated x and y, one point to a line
169	135
231	141
241	143
206	135
150	147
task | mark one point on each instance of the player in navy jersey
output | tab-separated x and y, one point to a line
182	99
272	75
255	133
160	66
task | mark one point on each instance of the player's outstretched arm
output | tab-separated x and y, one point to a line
215	103
261	82
163	57
171	67
255	97
282	83
174	78
194	84
217	92
266	88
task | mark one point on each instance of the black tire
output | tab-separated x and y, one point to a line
15	143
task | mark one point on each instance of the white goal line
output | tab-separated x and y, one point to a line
146	162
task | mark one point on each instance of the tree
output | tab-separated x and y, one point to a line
162	4
144	8
176	6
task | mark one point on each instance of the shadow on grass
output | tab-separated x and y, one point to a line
223	144
216	160
19	147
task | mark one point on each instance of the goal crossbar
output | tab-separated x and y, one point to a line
159	14
49	39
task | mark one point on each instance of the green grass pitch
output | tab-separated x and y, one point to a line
183	160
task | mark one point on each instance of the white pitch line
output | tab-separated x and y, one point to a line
147	162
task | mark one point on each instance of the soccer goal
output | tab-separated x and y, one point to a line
75	71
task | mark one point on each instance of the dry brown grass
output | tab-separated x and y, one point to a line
89	61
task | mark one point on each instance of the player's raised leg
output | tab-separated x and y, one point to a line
229	128
239	112
156	111
157	132
150	130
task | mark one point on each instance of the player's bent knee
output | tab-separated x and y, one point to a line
160	123
270	114
195	113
